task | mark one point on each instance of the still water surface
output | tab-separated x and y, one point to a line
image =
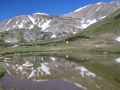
85	72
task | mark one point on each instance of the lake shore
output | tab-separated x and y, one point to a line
9	82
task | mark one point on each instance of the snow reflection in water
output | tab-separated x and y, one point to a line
44	68
84	71
117	60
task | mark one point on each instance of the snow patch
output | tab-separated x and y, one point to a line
42	59
8	29
20	68
45	25
31	74
84	71
53	36
82	21
41	80
99	3
8	72
32	19
7	41
74	32
6	58
53	58
13	66
42	20
17	65
16	22
67	56
7	64
45	69
8	22
21	25
84	25
39	24
78	27
102	17
79	86
67	42
117	60
81	8
118	39
98	8
40	14
90	22
31	26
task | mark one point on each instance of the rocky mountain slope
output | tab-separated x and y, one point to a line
28	28
36	26
94	12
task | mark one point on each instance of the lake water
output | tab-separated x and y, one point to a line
63	72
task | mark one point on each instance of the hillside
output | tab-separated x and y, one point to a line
105	31
39	26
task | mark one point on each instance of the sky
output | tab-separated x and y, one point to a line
12	8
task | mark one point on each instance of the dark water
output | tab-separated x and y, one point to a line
66	73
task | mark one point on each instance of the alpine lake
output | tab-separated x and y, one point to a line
61	71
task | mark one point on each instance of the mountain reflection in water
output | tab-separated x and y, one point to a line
47	68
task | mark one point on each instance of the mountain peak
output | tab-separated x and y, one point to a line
81	8
99	3
38	13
